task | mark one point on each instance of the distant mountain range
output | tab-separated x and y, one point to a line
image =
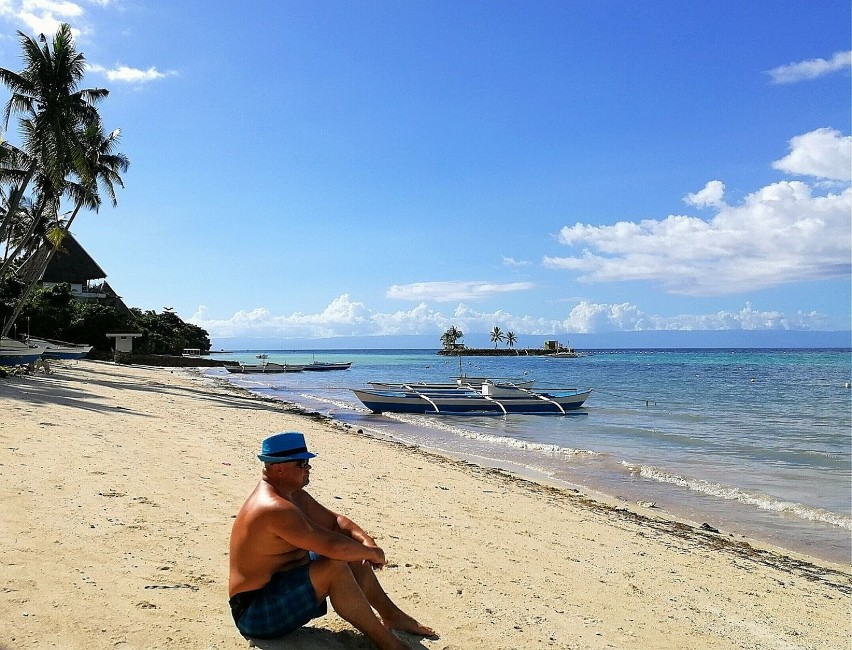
602	341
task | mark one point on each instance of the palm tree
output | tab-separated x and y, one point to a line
497	336
54	116
104	166
446	340
510	339
451	336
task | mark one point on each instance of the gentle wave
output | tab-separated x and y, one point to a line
442	425
504	441
324	400
762	501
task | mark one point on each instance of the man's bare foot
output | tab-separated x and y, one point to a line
405	623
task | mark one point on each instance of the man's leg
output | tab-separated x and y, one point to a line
334	579
392	616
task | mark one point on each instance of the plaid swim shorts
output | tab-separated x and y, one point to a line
282	605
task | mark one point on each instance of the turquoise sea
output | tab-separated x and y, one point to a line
752	442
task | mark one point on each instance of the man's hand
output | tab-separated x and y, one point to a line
378	560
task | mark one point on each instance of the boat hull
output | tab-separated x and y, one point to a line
319	366
264	368
453	402
474	383
60	349
15	353
66	354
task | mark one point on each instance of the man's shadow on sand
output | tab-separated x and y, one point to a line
309	638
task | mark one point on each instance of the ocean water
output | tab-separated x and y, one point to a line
752	442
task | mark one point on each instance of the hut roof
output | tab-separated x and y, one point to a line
72	264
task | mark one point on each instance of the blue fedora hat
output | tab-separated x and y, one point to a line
282	447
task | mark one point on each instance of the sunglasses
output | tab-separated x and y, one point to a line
302	463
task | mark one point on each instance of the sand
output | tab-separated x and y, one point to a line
119	484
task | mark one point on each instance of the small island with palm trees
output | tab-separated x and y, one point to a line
451	345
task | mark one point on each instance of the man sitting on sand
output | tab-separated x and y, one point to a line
288	553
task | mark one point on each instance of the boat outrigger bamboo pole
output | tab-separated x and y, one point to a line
546	399
422	396
491	399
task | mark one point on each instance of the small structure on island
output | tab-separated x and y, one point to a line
123	346
555	349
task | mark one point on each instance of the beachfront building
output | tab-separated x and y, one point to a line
123	345
72	264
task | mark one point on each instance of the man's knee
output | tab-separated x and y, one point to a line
361	569
326	572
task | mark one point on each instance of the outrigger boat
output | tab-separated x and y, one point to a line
61	349
489	397
16	353
265	367
462	381
321	366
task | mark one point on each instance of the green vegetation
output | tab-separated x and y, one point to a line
450	338
54	313
166	333
450	344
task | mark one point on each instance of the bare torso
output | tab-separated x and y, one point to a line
256	550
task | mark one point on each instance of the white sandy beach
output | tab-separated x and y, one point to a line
119	485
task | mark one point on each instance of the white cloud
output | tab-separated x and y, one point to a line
810	69
452	291
823	153
713	195
345	317
127	74
34	17
779	234
340	318
513	263
588	318
42	16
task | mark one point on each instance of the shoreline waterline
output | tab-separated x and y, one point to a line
599	493
643	499
723	469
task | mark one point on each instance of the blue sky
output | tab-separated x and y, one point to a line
317	169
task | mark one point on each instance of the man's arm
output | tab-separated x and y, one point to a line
353	530
331	520
296	529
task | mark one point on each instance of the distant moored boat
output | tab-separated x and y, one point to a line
326	365
266	367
